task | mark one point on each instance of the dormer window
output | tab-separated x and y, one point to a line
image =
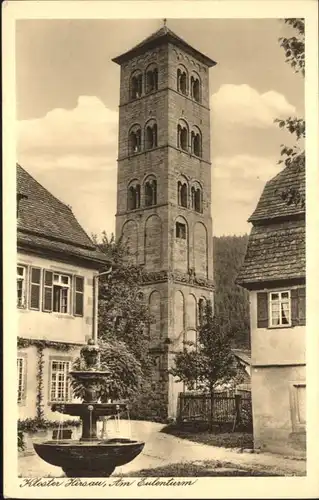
135	140
182	80
136	85
151	80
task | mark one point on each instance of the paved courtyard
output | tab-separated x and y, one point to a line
163	449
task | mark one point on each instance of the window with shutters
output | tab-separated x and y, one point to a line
21	379
78	295
56	292
35	288
279	308
21	286
60	388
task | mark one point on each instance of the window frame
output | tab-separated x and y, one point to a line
67	391
280	301
62	286
24	301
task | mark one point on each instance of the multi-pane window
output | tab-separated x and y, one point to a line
21	286
280	308
20	376
61	293
56	292
60	388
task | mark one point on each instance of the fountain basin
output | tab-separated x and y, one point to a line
99	409
89	459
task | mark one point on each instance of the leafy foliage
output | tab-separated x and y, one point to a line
211	363
294	46
231	302
123	315
126	372
294	157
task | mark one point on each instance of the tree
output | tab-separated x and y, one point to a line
231	301
123	315
210	363
125	372
294	157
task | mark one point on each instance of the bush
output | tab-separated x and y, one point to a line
39	424
149	404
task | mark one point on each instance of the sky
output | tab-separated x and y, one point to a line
67	96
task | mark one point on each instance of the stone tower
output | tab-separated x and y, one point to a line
164	190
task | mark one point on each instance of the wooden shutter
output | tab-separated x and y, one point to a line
302	305
47	291
35	283
78	296
294	307
298	306
262	310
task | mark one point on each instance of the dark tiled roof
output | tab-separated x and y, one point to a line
164	34
271	204
243	354
60	247
275	252
46	222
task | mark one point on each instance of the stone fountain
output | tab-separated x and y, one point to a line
89	456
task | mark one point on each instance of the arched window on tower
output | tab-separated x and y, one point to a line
133	196
136	85
151	135
182	135
135	140
182	194
151	79
182	78
197	198
150	192
196	142
195	87
201	311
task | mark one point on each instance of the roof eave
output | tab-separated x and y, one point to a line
167	38
95	261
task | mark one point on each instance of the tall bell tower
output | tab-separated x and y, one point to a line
164	190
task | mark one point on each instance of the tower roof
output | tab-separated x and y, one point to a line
162	36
